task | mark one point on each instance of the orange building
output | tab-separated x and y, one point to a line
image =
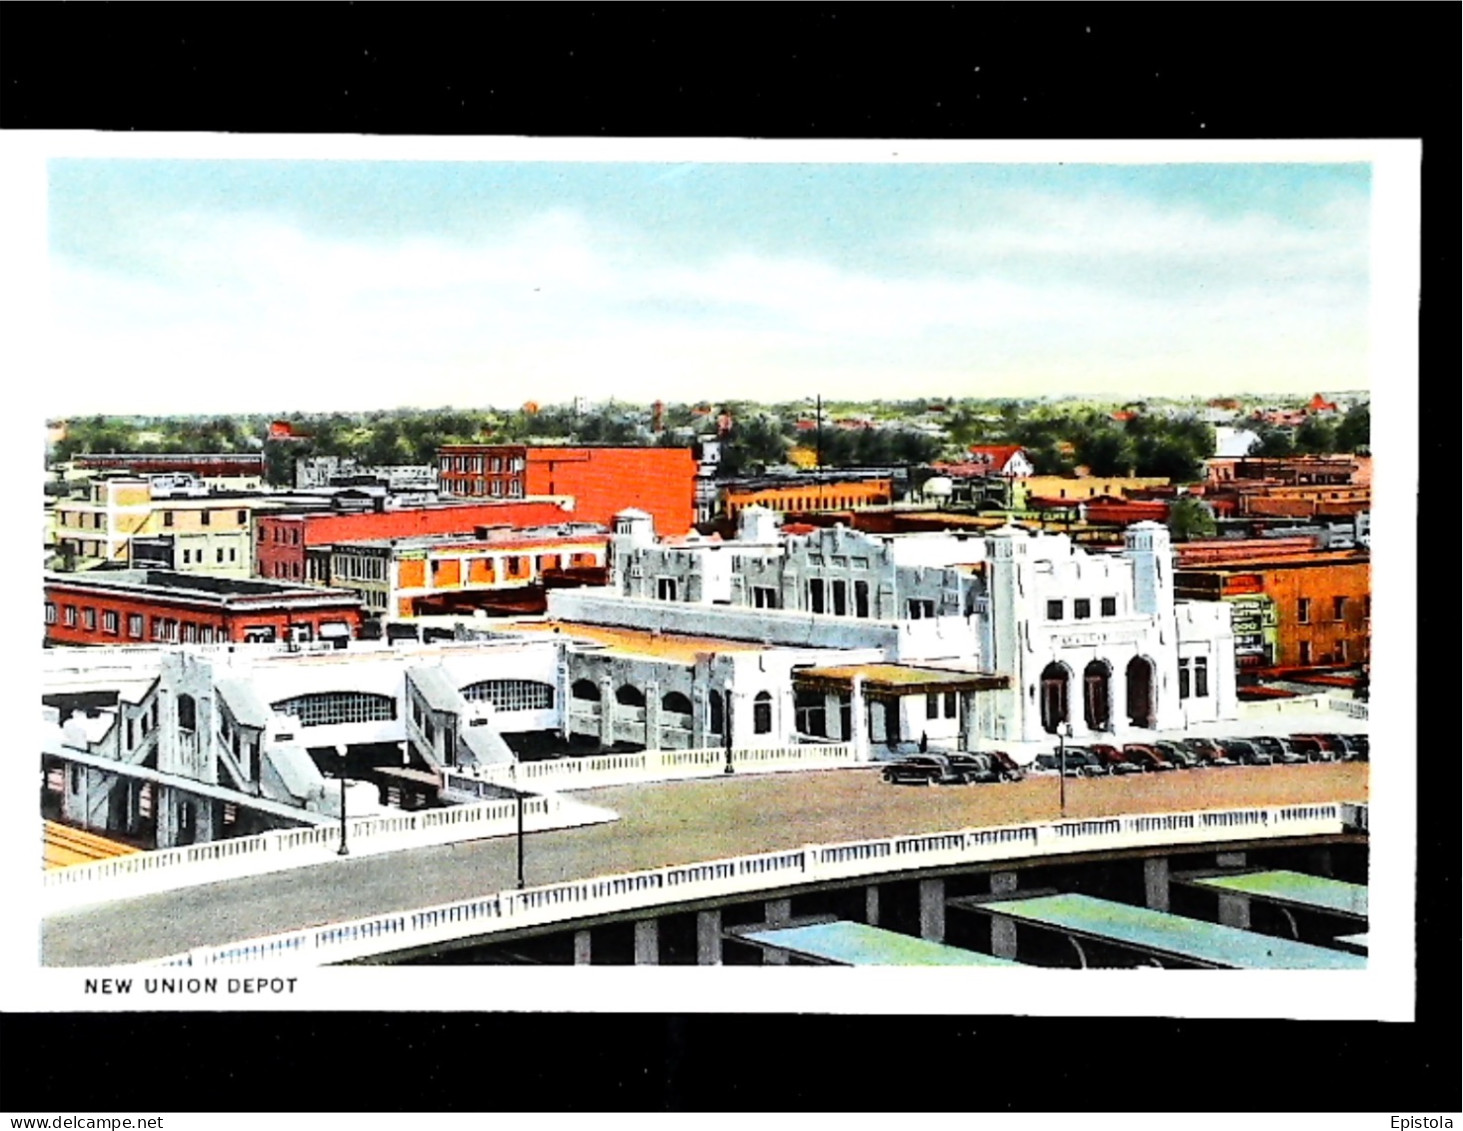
810	496
1319	606
602	481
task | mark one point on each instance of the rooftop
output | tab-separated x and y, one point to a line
641	642
170	583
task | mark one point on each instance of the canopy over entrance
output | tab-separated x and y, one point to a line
895	679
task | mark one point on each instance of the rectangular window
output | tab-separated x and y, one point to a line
665	588
1366	607
1201	678
1054	610
1341	652
68	616
1183	679
50	612
860	563
134	625
243	517
168	518
1109	606
1303	610
218	555
815	595
952	704
205	517
89	619
109	622
1305	651
932	705
840	598
1081	609
764	597
205	634
921	608
187	556
1338	608
860	598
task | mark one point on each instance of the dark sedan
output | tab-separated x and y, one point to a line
973	767
921	769
1113	760
1279	749
1176	756
1245	752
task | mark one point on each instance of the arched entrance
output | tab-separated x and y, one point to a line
1054	679
1140	692
1097	696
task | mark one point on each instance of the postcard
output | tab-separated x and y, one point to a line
518	574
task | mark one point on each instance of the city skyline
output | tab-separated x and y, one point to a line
316	285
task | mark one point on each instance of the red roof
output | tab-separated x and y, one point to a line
1124	414
1320	404
996	455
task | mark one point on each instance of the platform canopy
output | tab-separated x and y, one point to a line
845	943
1164	935
895	679
1294	889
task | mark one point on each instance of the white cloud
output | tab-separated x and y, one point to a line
250	312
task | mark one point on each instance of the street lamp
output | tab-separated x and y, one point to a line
518	795
1064	732
344	849
726	715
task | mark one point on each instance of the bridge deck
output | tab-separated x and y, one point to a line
846	943
1295	889
1165	935
659	825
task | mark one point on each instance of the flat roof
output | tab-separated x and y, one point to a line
845	943
904	679
1159	933
1318	893
63	846
525	540
641	641
171	583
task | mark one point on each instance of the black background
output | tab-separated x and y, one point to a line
799	71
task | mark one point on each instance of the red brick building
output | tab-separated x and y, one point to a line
281	539
159	606
603	481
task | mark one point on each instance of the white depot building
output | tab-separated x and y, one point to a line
765	641
1001	637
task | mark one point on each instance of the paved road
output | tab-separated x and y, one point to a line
670	823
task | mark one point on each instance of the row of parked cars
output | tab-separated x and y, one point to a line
1195	753
954	769
1098	758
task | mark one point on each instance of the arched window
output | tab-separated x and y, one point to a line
762	713
187	713
717	705
1053	696
1096	680
511	694
585	689
675	702
1140	692
628	695
327	708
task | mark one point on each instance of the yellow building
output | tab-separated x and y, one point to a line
1077	488
812	495
197	535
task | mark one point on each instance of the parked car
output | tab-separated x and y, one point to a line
1341	745
1246	752
1146	757
1279	749
1207	751
1313	747
1113	761
1361	747
1176	756
973	767
921	769
1080	763
1010	771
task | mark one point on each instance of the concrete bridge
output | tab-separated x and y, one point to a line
700	845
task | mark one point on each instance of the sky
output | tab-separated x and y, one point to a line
199	286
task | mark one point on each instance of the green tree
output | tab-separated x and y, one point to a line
1274	444
1354	432
1189	518
1315	437
1106	452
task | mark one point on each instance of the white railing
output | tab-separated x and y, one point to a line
635	891
143	873
655	765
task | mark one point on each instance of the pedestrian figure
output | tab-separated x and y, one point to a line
924	742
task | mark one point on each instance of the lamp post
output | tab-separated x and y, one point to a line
1064	732
519	794
727	726
344	849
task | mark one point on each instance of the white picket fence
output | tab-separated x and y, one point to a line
145	873
560	774
1352	708
771	871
